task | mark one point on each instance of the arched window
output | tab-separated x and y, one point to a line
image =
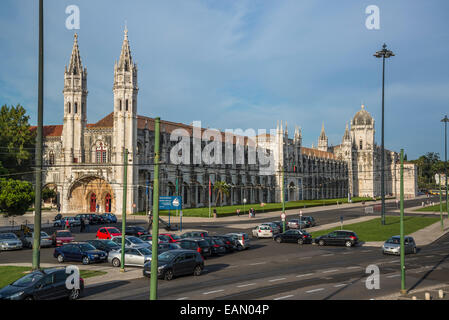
76	107
101	153
120	103
361	145
69	107
126	104
51	158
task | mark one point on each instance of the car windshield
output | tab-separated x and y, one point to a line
174	246
145	251
166	256
165	238
66	234
203	243
135	240
86	247
394	241
113	230
8	236
28	280
110	243
175	237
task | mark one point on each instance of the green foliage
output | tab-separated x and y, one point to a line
16	139
221	188
16	196
48	194
429	165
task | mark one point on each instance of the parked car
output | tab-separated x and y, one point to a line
73	222
60	237
79	251
86	217
162	247
104	245
57	217
340	237
108	233
9	241
280	224
133	257
263	231
242	239
172	238
98	219
393	245
295	235
131	242
229	242
28	240
109	217
199	245
217	246
42	284
176	263
136	231
296	224
148	238
308	221
276	228
195	234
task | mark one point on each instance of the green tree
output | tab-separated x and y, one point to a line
221	188
16	196
17	140
48	194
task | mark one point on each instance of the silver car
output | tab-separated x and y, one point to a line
132	242
276	228
28	240
242	240
393	245
9	241
133	257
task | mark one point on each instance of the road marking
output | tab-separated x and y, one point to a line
304	275
340	285
333	270
366	251
355	267
277	279
315	290
327	255
246	285
285	297
305	258
254	264
183	298
215	291
394	275
428	256
347	252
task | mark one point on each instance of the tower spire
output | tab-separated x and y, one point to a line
75	65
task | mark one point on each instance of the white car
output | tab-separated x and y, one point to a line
263	231
273	226
133	257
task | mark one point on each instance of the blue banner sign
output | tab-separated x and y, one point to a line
170	203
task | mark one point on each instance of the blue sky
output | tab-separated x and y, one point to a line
244	63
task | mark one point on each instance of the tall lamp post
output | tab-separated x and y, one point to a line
384	53
445	120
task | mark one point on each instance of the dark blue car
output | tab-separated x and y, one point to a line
79	251
109	217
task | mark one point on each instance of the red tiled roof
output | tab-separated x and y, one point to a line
318	153
50	131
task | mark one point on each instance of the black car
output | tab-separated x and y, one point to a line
308	221
280	224
162	247
135	231
217	246
43	284
175	263
338	238
230	244
294	235
79	251
92	218
199	245
104	245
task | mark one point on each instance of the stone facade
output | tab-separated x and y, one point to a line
84	162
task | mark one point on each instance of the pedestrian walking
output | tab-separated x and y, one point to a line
82	225
98	207
254	212
59	207
67	224
150	220
86	224
238	212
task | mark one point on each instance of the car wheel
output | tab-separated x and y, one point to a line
321	242
300	241
278	239
86	260
197	271
74	294
239	248
60	258
168	275
116	262
348	244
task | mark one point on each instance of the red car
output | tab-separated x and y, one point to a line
108	233
173	238
60	237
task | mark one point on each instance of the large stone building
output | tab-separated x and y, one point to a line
84	162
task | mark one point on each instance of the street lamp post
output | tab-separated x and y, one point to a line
384	53
445	120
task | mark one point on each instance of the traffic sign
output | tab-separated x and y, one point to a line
283	216
170	203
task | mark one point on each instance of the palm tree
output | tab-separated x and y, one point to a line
221	188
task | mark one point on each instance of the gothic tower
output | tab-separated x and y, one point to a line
322	140
75	96
125	121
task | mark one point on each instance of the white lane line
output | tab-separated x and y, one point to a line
254	264
327	255
340	285
183	298
304	275
328	271
277	279
355	267
305	258
428	256
315	290
285	297
394	275
215	291
246	285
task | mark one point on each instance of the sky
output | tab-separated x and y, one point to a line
244	63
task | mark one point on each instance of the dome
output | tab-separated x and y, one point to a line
362	117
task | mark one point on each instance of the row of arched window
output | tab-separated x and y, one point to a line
69	107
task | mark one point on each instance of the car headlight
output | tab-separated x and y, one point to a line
15	295
160	268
